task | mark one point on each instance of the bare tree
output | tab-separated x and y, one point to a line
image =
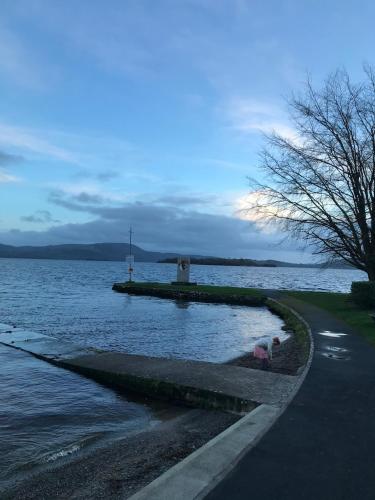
321	184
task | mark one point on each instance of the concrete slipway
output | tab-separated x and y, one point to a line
194	383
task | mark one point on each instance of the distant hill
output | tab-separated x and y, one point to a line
118	252
95	251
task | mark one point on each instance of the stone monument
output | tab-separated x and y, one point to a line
183	269
183	272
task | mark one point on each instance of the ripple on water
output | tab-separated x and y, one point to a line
48	414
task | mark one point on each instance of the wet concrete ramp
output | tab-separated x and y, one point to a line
194	383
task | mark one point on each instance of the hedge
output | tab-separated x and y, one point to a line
363	293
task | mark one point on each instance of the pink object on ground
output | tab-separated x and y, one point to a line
260	353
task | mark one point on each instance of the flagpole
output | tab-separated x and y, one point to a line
130	269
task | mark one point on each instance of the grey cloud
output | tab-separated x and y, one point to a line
103	176
7	159
80	202
84	197
41	216
86	202
185	200
160	228
107	175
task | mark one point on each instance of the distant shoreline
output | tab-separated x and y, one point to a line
89	259
217	261
117	252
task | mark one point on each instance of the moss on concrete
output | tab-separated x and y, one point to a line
168	391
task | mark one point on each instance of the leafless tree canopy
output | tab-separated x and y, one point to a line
321	185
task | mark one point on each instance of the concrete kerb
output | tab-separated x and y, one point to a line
196	475
302	376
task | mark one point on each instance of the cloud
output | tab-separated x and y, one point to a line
5	177
88	152
132	174
7	159
29	140
81	198
249	116
246	209
10	159
40	217
74	201
88	198
158	228
107	175
185	200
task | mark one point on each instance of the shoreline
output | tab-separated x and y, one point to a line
120	468
125	466
286	358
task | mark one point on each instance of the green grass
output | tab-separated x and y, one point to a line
294	323
221	290
339	305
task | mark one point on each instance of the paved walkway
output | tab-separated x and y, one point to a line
323	446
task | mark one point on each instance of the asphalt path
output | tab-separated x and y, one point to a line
323	446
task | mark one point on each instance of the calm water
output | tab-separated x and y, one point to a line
47	413
73	300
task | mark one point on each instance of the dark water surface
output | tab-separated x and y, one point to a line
47	413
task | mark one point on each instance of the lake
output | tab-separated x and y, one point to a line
46	413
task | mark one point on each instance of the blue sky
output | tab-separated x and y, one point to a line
152	113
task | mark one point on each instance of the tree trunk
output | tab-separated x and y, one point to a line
370	269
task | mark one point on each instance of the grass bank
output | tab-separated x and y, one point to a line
223	290
199	293
295	324
340	306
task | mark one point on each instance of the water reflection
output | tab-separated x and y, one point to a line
338	357
336	349
332	334
182	304
332	351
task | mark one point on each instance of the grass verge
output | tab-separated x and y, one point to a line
339	305
209	289
294	323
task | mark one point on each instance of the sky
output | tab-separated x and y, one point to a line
153	113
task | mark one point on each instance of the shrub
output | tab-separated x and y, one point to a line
363	293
